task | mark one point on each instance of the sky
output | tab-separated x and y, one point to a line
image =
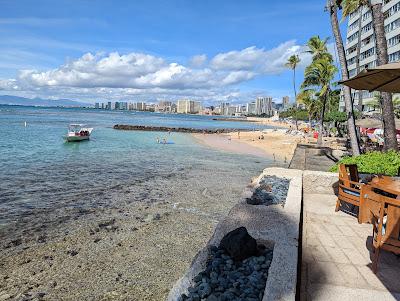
150	50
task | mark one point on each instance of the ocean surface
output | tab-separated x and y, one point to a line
41	175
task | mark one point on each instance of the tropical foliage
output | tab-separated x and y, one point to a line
387	163
318	77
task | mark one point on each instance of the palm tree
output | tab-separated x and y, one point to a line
351	126
307	98
318	49
292	63
319	76
389	126
347	10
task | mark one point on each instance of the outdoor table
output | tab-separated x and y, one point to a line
387	184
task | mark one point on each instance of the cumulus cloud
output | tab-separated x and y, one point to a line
198	60
113	74
258	60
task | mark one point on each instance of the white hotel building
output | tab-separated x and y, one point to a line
391	9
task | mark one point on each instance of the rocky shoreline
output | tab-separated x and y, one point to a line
127	127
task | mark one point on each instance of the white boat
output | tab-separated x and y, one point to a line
78	132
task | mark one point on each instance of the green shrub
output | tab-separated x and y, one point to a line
386	163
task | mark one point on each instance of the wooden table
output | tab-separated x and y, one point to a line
387	184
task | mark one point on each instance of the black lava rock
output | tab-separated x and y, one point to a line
239	244
225	279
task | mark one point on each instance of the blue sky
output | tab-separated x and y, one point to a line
149	50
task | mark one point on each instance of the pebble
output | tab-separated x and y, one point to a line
272	190
226	279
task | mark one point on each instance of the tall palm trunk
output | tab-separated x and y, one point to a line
294	84
389	127
351	125
360	92
321	121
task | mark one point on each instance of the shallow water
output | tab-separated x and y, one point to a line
40	173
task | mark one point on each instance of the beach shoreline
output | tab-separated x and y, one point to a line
275	144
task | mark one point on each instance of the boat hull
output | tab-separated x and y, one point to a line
76	138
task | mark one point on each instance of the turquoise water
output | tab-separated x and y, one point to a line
40	173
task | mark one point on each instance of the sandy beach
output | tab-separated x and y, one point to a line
276	145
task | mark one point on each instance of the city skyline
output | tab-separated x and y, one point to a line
261	106
147	52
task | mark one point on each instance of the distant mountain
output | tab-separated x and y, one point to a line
22	101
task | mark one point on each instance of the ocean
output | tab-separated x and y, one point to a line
118	217
40	173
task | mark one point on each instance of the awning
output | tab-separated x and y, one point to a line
384	78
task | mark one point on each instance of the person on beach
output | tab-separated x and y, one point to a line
238	134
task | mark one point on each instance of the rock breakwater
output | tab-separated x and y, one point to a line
127	127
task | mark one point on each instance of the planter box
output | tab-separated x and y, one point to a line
274	226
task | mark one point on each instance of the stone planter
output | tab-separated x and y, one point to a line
274	226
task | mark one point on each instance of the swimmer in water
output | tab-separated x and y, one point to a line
158	140
164	141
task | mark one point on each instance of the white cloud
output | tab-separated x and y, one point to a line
198	61
113	75
258	60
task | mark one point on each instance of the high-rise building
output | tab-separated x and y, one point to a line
164	106
251	108
196	107
285	102
186	106
97	105
183	106
109	105
230	110
223	107
367	57
141	106
263	106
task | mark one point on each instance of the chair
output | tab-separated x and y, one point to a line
368	207
349	185
385	223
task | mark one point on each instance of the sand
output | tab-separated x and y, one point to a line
276	145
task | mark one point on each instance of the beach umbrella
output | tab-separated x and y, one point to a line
369	123
384	78
373	123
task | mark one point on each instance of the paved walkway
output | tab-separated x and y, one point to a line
309	157
336	257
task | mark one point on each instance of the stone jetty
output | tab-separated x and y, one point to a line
127	127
